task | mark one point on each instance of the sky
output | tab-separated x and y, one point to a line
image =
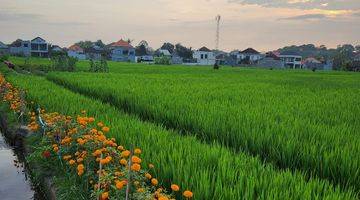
260	24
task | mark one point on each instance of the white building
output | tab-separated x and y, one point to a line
291	60
248	56
39	47
204	56
76	52
36	47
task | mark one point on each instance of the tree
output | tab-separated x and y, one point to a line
87	44
168	46
142	48
99	43
183	51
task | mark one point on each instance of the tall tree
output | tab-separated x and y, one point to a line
183	52
168	46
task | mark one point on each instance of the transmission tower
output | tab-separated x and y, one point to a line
217	18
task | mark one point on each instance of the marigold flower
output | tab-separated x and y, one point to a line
123	162
121	148
104	195
119	185
151	166
175	187
140	190
105	129
137	151
188	194
135	167
163	198
80	167
91	119
71	162
154	181
100	124
125	153
148	176
135	159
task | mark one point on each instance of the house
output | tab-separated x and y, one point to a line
144	58
313	63
4	49
56	48
291	59
249	56
20	48
39	47
94	53
176	59
76	51
204	56
271	60
164	52
122	51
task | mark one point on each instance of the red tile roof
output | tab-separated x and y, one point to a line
75	48
121	43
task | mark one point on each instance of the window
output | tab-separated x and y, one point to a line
125	52
202	56
206	56
298	59
26	45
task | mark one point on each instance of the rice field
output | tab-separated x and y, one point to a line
211	171
293	120
236	133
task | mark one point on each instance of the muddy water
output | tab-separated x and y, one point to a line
14	182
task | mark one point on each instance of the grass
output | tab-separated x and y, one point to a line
296	120
211	171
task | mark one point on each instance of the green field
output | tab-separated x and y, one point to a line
236	133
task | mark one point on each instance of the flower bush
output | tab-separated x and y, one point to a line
79	147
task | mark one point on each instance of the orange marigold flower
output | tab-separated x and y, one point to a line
175	187
71	162
163	198
123	162
121	148
80	167
188	194
104	195
135	159
154	181
100	124
56	149
105	129
119	185
91	119
125	153
135	167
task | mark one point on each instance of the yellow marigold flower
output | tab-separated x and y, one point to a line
148	176
71	162
137	151
188	194
154	181
135	159
97	152
125	153
105	129
175	187
100	124
56	149
123	162
79	160
135	167
140	190
121	148
151	166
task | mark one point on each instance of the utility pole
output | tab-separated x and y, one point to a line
217	18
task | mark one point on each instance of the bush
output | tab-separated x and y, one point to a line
163	60
4	57
63	63
99	66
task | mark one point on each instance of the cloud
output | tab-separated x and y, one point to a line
305	17
21	17
304	4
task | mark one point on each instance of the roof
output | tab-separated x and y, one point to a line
272	55
250	51
16	43
311	60
165	52
2	45
38	38
75	47
204	49
121	43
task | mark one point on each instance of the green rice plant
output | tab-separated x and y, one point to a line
296	120
209	170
